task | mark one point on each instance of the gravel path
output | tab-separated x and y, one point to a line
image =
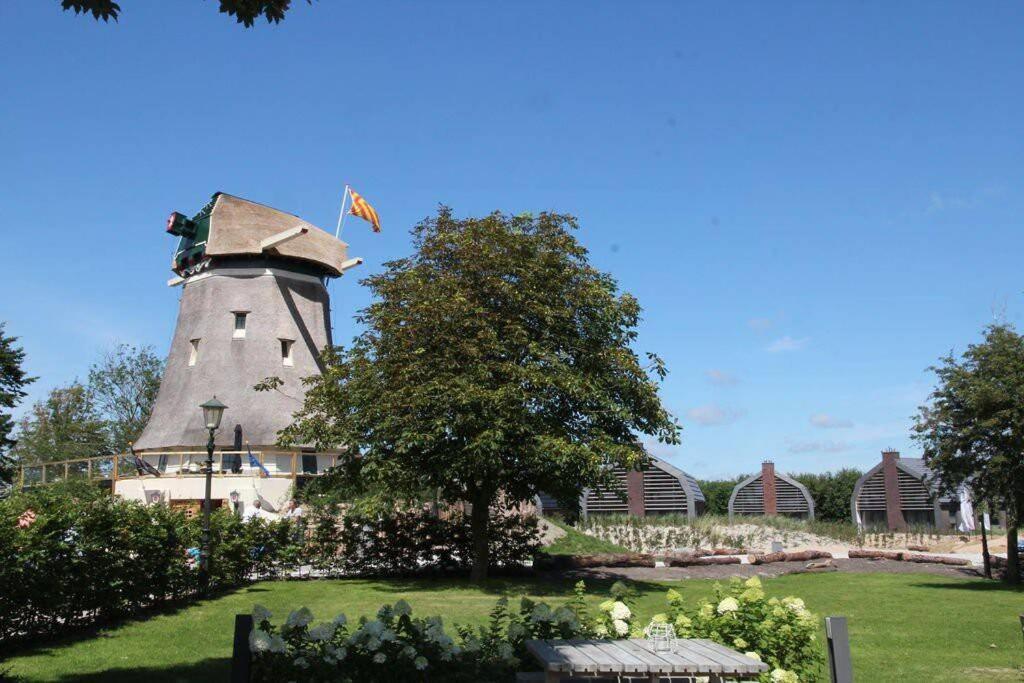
727	571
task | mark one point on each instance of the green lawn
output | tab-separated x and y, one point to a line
904	627
577	543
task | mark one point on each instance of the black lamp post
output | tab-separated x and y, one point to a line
213	411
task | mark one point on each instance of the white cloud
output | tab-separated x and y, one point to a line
830	421
818	446
710	415
760	324
787	343
721	377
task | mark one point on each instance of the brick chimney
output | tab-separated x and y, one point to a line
893	503
635	492
768	485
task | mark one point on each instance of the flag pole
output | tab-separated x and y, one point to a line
341	214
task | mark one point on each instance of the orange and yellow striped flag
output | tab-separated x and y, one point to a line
361	208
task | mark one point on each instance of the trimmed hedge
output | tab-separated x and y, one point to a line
72	556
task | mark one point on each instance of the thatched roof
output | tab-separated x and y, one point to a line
237	226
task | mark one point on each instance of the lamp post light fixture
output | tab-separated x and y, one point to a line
213	411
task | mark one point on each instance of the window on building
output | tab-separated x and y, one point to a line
240	317
286	352
193	355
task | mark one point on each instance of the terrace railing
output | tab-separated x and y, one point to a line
168	463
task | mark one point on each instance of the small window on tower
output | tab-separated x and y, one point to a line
286	352
240	324
193	355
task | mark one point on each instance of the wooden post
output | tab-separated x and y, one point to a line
293	467
66	470
44	473
241	656
22	469
117	459
88	469
839	663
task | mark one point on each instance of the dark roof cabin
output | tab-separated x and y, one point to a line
901	492
658	489
771	493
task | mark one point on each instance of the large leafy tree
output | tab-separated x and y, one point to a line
496	362
124	384
65	425
13	381
831	492
245	12
972	428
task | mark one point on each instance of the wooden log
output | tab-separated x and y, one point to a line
729	551
597	560
918	548
855	554
701	561
798	556
936	559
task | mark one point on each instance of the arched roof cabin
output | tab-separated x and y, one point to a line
771	493
658	489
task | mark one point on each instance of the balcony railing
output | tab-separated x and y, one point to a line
172	464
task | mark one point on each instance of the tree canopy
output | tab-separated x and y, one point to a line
495	361
97	418
65	425
245	12
972	429
124	384
13	381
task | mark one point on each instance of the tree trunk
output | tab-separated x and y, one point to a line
986	562
479	522
1012	556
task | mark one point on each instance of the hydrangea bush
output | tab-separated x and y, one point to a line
397	646
781	633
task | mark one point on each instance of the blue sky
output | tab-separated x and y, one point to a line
812	201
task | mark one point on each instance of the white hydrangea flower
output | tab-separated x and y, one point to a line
260	613
385	612
340	653
277	645
753	655
728	605
301	663
620	611
783	676
259	641
541	612
621	627
387	635
516	630
322	632
402	608
379	658
420	663
373	643
506	652
374	628
299	618
340	620
409	651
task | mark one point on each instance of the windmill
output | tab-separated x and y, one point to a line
254	304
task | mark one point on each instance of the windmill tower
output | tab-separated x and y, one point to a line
254	304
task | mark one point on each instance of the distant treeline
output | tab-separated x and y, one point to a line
831	492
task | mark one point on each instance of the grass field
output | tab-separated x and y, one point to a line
903	627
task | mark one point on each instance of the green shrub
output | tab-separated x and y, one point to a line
72	555
397	646
781	633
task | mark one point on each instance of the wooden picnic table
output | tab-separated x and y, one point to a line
636	658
